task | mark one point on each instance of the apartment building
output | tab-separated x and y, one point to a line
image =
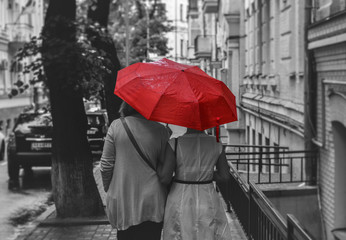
19	21
273	101
327	81
177	38
215	45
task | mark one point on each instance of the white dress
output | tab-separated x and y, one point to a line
195	211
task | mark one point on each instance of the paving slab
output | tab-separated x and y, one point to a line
52	228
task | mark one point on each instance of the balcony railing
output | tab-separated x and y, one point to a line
19	33
258	217
271	164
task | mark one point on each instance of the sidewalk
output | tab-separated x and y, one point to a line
50	228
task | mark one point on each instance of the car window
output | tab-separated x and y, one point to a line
30	120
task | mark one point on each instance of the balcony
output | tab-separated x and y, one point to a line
210	6
3	35
203	47
261	208
193	9
19	34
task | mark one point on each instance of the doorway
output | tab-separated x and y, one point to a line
339	133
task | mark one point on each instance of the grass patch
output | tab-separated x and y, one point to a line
29	213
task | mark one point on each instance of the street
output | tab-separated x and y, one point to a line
34	191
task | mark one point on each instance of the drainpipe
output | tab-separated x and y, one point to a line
309	97
310	115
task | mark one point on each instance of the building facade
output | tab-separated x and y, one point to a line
177	38
273	100
327	48
19	21
215	45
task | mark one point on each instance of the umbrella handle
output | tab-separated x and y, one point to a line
217	130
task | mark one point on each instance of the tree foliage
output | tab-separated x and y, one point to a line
98	14
158	26
92	65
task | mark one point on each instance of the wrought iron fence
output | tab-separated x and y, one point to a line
258	217
294	229
270	164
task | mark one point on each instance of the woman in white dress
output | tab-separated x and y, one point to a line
194	210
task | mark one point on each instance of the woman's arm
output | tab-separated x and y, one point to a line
166	165
108	159
222	169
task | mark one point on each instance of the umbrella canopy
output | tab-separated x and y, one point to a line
170	92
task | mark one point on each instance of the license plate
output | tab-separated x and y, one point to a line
40	145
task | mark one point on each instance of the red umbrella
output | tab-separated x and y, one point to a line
170	92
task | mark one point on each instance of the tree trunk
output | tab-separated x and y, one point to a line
74	188
98	12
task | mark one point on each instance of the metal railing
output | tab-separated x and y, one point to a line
294	229
258	217
270	164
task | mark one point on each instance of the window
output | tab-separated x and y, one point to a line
8	125
10	4
276	159
254	148
267	143
260	150
181	12
181	47
2	82
248	135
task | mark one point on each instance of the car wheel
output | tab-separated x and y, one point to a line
2	150
13	170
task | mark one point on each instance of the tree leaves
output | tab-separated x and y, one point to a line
158	26
91	64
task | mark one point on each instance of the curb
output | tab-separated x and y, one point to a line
36	223
43	219
67	222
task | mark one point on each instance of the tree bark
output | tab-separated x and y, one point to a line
98	12
74	188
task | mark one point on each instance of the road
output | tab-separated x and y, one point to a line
34	191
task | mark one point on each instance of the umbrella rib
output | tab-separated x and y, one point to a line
157	74
212	93
199	110
160	98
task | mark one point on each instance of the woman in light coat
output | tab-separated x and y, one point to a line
136	194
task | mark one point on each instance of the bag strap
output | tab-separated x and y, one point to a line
135	144
175	147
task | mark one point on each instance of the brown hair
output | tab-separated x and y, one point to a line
126	110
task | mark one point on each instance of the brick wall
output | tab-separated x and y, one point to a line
330	65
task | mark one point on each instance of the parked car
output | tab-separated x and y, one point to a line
2	145
97	129
29	144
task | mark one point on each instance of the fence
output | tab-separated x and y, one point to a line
270	164
259	219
